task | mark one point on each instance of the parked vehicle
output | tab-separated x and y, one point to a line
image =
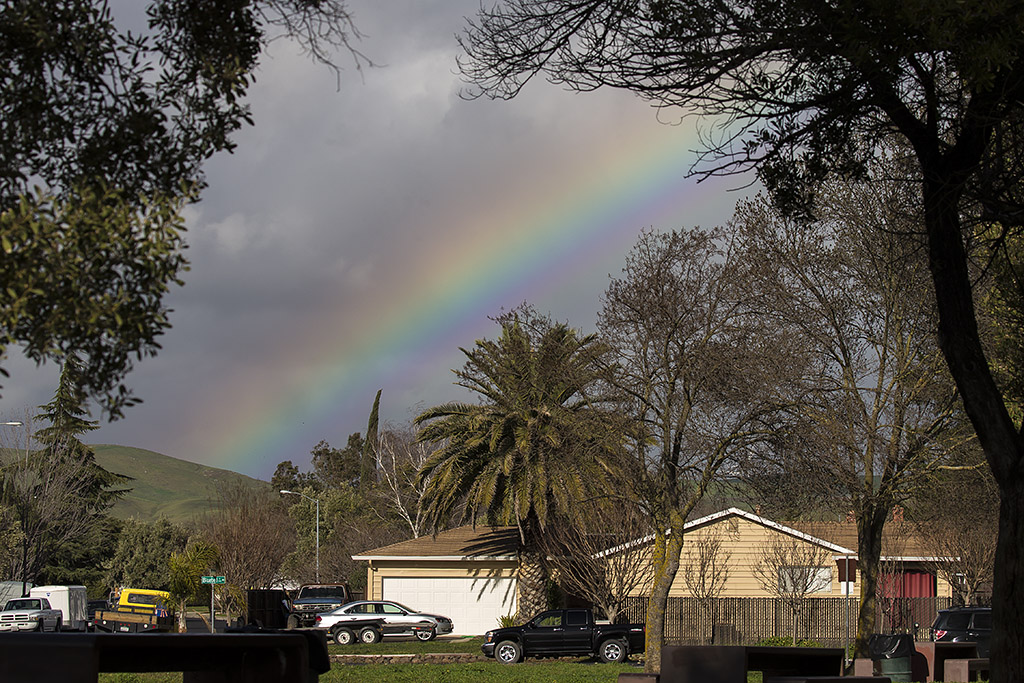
29	614
394	619
136	610
960	624
70	600
91	608
562	632
313	599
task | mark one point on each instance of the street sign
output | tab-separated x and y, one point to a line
213	579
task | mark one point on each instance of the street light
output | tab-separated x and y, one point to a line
297	493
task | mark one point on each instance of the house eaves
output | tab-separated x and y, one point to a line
749	516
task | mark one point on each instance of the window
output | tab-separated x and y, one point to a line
957	621
143	599
576	618
388	608
550	620
803	580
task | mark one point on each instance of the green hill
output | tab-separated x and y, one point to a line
163	486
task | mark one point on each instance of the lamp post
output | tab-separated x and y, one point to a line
317	502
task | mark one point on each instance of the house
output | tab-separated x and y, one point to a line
745	537
467	574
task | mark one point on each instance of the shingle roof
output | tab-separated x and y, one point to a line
464	542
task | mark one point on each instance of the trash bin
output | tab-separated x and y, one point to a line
893	653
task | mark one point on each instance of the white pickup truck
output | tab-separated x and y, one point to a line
29	614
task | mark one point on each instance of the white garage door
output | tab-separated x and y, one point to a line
473	604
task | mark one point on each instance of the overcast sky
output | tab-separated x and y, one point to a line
360	235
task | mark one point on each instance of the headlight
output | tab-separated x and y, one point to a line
490	636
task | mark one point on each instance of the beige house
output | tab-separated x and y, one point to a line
467	574
745	539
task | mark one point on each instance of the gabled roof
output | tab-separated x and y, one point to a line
782	528
462	543
899	541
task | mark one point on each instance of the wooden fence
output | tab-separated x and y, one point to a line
746	621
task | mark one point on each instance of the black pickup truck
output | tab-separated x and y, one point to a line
565	632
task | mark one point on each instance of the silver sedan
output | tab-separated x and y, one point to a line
394	618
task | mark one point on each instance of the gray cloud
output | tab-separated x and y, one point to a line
335	207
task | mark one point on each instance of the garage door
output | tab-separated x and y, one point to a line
473	604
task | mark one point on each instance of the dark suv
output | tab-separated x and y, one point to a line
972	624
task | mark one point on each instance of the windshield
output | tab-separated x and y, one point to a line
23	604
322	592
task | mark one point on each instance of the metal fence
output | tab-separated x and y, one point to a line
746	621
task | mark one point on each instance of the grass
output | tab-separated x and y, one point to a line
531	671
163	486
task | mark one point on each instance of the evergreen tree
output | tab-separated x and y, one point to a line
369	460
99	489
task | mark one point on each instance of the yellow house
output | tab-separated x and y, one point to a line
747	543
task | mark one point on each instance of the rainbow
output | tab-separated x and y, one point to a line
538	237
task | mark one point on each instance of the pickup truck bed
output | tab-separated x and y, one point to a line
131	622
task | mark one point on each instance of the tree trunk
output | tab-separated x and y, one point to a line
657	605
983	402
531	588
1007	653
870	523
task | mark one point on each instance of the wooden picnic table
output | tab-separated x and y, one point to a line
730	663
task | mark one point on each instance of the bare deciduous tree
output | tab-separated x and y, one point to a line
594	556
702	380
880	406
790	569
705	571
958	520
42	491
253	534
399	459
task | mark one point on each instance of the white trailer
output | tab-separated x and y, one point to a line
70	600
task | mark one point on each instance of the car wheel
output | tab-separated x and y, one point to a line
613	651
343	635
56	627
508	652
426	634
293	621
369	635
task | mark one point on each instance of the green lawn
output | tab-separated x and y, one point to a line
403	645
531	671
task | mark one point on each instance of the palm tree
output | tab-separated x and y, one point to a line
186	569
538	442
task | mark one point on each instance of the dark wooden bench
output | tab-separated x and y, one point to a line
964	670
730	663
203	658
